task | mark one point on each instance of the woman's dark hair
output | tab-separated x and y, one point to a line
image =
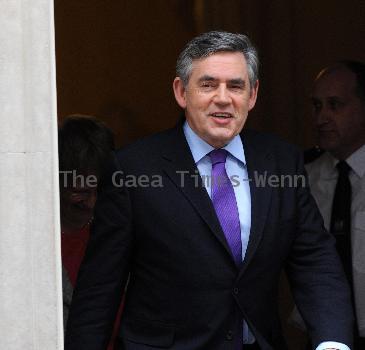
84	145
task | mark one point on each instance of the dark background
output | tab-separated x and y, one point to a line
116	60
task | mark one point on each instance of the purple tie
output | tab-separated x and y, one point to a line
225	205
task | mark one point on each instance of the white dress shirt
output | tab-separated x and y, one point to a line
323	176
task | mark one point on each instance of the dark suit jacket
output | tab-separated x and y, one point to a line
185	292
67	290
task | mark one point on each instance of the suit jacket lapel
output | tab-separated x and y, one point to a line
178	159
259	162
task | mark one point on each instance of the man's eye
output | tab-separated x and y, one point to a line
236	87
334	105
207	85
317	106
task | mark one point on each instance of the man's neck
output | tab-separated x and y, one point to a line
345	152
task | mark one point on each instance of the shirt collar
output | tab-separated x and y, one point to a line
199	148
357	161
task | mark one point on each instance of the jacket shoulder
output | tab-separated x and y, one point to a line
271	143
146	146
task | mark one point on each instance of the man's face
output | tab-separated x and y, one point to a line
339	113
217	97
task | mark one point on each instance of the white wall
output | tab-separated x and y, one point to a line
30	274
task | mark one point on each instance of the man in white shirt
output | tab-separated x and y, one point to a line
338	101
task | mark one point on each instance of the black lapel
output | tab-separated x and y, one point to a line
178	159
259	162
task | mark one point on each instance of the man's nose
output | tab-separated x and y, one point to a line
222	96
321	116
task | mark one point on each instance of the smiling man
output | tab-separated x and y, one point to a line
217	97
204	260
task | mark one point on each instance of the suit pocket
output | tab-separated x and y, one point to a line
148	333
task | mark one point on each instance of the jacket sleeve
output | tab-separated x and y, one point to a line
105	267
318	282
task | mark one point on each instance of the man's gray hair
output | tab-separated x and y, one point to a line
212	42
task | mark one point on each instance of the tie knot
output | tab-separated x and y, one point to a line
218	156
343	167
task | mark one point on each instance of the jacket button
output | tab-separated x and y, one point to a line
235	291
229	335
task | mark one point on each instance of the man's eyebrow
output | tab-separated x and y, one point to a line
207	78
334	98
237	81
314	97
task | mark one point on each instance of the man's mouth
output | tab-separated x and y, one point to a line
221	115
325	130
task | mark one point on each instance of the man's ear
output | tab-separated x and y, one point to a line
179	91
253	95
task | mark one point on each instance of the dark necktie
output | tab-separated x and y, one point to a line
225	205
341	217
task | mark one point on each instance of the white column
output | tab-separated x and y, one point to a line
30	263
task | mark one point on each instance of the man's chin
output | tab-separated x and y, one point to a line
220	142
221	139
327	145
328	142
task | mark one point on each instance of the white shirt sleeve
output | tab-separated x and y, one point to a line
332	345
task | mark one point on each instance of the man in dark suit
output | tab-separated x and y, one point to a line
203	218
